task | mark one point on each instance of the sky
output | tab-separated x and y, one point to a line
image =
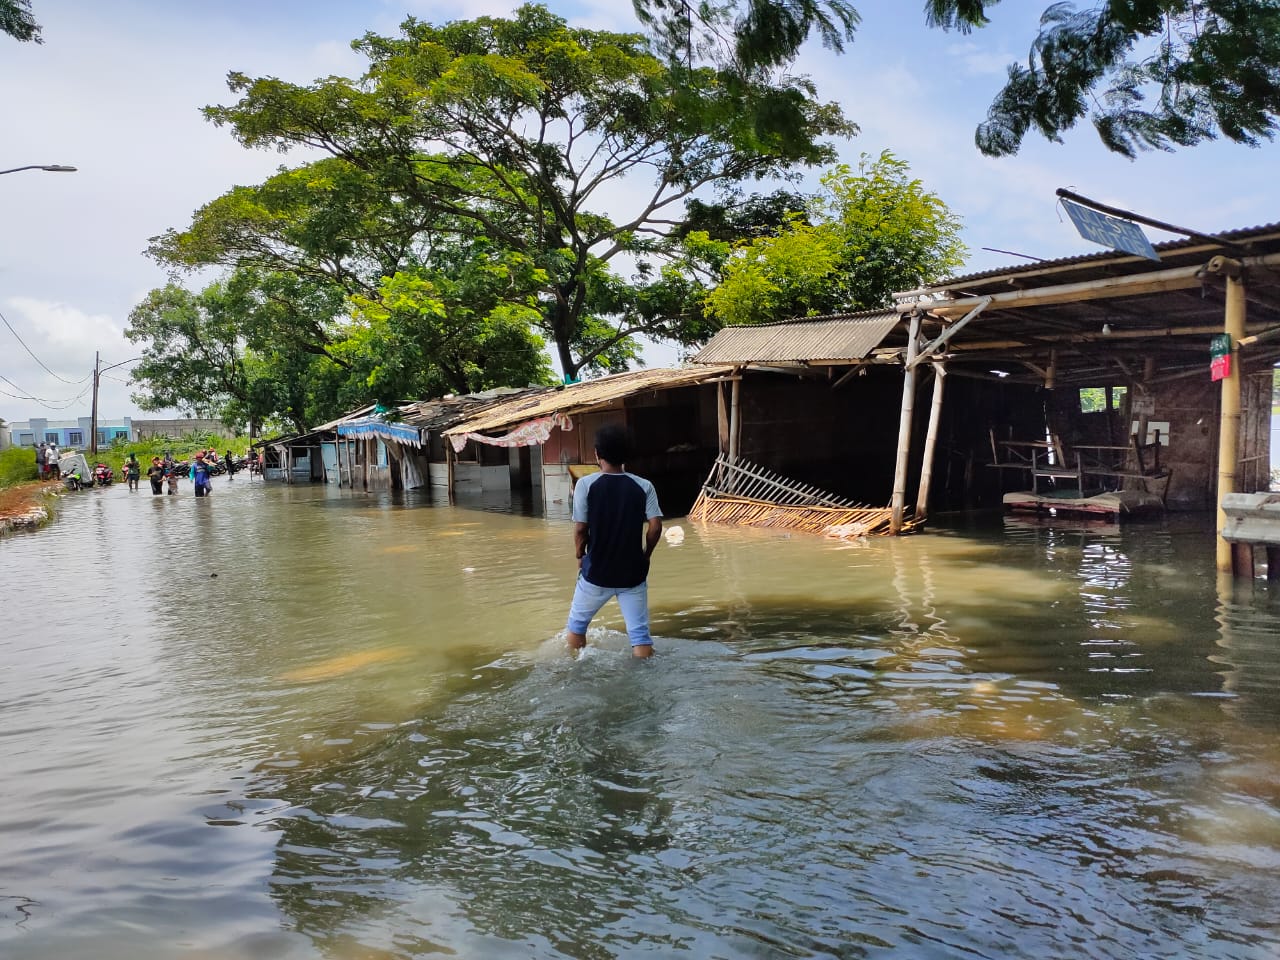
116	90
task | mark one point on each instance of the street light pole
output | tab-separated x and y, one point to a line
51	167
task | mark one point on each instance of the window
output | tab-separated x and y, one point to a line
1102	399
51	437
75	438
26	439
122	435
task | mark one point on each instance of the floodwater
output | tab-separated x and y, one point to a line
296	723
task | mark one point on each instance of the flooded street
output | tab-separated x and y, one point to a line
293	722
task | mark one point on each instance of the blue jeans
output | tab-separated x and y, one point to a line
633	601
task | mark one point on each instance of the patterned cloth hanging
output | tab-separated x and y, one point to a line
529	434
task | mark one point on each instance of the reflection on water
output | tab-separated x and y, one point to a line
298	723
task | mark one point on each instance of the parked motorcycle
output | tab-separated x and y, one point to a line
103	475
74	481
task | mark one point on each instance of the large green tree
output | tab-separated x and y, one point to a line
523	133
867	234
237	350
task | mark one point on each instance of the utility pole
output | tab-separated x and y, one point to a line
93	421
98	371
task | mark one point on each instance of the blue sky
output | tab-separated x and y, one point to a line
116	88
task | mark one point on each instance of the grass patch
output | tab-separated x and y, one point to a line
17	465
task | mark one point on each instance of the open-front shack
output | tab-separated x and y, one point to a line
1074	384
548	435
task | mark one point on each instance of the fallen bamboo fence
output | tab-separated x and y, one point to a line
742	493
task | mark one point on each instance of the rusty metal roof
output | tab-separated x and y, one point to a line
437	415
1110	262
848	337
579	397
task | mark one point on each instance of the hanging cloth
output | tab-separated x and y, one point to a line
529	434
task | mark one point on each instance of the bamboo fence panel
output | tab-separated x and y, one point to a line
762	498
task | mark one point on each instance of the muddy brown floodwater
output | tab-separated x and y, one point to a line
296	723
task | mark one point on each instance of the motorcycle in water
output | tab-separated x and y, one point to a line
102	475
74	481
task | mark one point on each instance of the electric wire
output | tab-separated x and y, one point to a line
49	404
74	383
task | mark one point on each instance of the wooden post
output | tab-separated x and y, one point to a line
735	427
1273	563
930	441
1229	429
735	418
722	421
449	456
898	503
1242	560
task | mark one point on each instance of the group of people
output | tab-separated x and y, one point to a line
48	457
163	473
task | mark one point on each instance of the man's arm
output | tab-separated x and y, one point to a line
652	534
580	541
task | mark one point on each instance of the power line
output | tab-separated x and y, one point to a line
49	404
74	383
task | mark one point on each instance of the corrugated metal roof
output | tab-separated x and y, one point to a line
436	415
850	337
1242	235
578	397
346	417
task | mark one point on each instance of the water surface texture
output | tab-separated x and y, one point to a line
295	723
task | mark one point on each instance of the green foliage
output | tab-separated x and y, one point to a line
17	465
748	35
1147	73
867	235
248	348
17	22
507	132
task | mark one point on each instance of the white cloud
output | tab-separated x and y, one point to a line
60	325
975	60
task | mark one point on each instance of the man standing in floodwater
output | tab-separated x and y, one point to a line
610	509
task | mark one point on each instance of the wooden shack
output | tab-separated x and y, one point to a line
671	414
1049	382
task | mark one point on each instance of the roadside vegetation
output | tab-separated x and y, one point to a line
18	464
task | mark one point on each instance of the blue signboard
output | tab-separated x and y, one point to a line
1110	231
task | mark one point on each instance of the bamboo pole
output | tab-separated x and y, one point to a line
735	425
1229	430
722	421
898	504
930	441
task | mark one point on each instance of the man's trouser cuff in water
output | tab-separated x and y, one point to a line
633	601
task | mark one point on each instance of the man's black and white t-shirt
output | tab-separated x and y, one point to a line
615	507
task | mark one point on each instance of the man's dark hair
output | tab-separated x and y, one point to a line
613	444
